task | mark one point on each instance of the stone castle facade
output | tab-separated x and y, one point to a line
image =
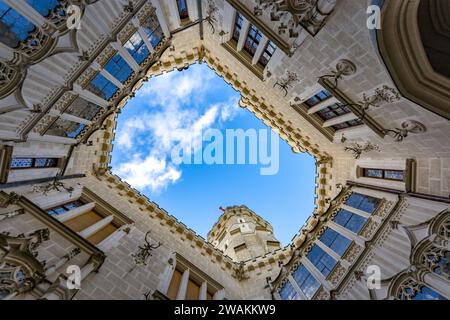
370	104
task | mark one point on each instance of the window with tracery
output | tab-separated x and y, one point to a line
411	289
437	260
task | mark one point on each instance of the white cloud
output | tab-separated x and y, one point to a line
174	120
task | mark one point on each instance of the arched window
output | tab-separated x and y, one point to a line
437	260
410	289
15	27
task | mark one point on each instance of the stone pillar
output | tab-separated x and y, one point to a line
219	295
96	227
126	56
181	295
107	75
161	18
322	105
89	96
113	239
296	287
260	50
243	34
203	291
71	214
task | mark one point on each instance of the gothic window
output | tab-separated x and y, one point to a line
396	175
137	48
66	128
119	68
321	260
267	54
254	37
43	7
13	279
83	109
153	30
33	163
183	9
331	112
288	292
363	202
64	208
14	27
412	290
306	281
102	87
318	98
350	221
335	241
437	260
238	26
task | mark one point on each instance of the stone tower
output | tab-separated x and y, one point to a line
242	235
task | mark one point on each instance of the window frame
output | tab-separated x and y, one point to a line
383	174
55	164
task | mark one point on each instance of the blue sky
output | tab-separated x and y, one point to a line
168	111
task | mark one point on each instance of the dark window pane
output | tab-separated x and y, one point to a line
14	27
335	241
44	7
153	30
350	221
102	87
333	111
394	175
253	39
374	173
65	128
322	260
119	68
45	163
363	202
20	163
305	280
318	98
183	9
267	54
427	293
83	109
287	292
65	207
137	48
238	26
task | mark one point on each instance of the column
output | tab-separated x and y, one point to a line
229	17
219	295
70	117
322	105
161	18
181	295
107	75
341	119
113	239
243	35
296	287
203	291
260	50
27	11
52	139
143	35
437	283
71	214
89	96
96	227
126	56
361	213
